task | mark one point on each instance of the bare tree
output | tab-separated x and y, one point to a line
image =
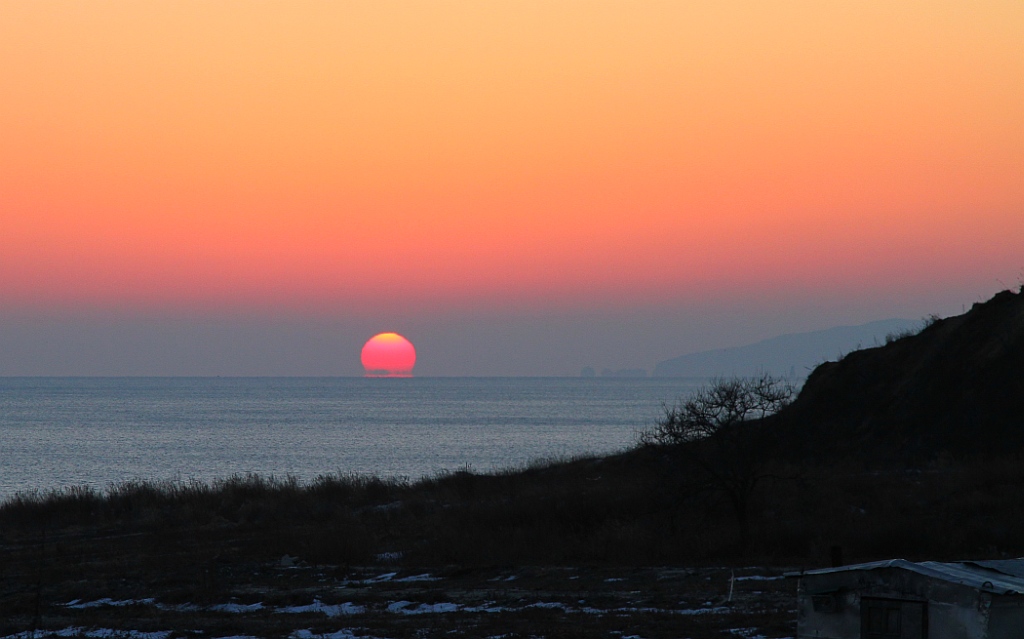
721	429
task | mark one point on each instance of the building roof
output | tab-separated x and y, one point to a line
1002	577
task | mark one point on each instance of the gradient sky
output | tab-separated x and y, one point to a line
519	187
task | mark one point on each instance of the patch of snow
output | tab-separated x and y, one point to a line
344	633
760	578
92	633
488	607
424	577
405	607
107	601
548	605
389	556
388	576
611	580
331	610
397	606
587	610
748	633
236	607
717	610
185	607
402	608
409	608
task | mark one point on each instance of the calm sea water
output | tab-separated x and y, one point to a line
57	432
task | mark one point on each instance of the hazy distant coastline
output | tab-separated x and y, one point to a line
792	355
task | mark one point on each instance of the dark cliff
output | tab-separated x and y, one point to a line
956	388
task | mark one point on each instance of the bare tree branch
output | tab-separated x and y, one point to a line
721	430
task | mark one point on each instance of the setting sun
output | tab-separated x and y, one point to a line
388	355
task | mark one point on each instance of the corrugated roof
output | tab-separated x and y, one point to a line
1003	577
1012	567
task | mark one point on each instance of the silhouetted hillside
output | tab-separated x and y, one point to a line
955	388
792	355
167	555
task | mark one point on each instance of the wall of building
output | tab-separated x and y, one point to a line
954	611
1006	618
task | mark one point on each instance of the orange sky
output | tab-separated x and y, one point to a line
323	155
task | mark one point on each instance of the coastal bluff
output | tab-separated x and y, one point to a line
954	388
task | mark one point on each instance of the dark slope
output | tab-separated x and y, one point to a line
956	387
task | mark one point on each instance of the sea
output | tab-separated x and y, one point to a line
59	432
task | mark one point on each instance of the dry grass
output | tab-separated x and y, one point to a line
203	544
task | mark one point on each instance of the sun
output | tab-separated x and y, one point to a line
388	355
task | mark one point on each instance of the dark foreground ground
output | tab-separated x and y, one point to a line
284	600
632	545
583	548
520	554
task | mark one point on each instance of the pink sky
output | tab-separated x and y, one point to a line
639	178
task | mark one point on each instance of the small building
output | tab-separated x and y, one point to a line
901	599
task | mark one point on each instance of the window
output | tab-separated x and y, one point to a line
892	619
826	601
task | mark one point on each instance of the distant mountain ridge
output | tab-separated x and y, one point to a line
791	355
